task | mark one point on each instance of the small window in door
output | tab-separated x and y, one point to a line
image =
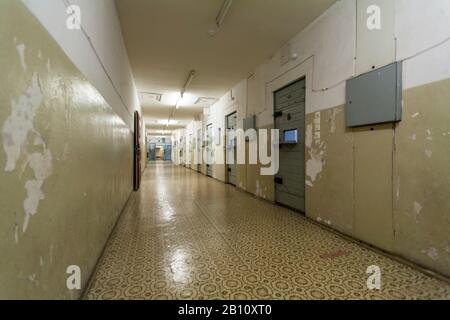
290	136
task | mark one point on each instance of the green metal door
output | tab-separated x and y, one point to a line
199	150
231	122
289	113
209	150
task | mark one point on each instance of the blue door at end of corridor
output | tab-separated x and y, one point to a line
167	152
152	150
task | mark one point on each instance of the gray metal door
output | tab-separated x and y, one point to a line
209	150
199	149
231	123
289	114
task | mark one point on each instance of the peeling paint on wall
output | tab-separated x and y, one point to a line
15	133
41	163
417	210
314	164
334	113
432	253
21	50
309	136
317	128
429	135
20	123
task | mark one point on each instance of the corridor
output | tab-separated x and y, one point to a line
188	236
220	149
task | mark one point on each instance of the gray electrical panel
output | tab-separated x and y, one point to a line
375	97
249	123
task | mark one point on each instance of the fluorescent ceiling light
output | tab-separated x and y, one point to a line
223	12
167	122
187	83
184	89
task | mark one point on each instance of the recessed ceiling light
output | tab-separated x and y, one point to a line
150	96
205	101
166	122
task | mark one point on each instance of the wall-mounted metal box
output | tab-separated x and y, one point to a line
375	97
249	123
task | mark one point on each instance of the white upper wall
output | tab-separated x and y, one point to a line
100	21
420	26
326	54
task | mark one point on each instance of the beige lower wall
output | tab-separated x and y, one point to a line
422	177
65	163
387	187
249	178
329	169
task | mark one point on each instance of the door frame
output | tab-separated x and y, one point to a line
302	135
137	152
198	150
209	143
226	149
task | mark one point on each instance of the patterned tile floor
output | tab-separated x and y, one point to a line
187	236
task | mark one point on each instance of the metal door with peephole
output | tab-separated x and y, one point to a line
199	150
230	152
289	117
209	150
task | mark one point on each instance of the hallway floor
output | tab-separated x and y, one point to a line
187	236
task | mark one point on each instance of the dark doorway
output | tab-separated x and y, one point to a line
137	152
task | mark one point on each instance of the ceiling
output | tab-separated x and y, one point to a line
165	39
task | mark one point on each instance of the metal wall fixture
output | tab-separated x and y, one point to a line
188	82
189	79
223	12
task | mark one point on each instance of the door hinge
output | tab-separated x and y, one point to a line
278	114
